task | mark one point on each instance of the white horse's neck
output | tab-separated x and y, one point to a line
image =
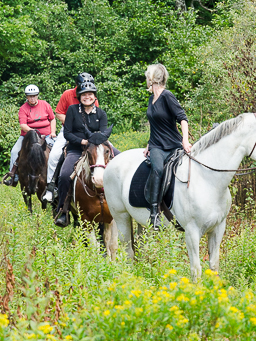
229	150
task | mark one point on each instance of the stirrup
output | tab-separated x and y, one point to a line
156	223
11	181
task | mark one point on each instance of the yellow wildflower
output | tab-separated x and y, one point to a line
181	322
174	308
138	311
209	272
233	309
46	328
253	320
172	285
251	307
122	323
30	336
147	293
249	295
172	272
184	280
136	293
112	287
110	302
168	326
193	301
51	337
106	312
127	302
163	288
119	307
222	299
68	337
182	297
4	320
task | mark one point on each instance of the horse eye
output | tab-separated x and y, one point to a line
107	151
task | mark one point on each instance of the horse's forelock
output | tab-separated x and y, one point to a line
215	135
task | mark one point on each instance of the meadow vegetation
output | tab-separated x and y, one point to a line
52	286
55	288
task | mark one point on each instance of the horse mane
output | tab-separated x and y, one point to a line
34	151
83	164
216	134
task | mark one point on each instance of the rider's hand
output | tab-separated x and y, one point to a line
52	135
84	142
146	152
186	145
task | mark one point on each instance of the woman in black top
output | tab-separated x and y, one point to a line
163	112
79	115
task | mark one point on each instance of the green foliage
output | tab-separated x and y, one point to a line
65	291
130	140
9	133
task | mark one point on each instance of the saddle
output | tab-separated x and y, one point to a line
140	185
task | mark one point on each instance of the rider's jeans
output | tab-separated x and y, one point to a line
15	151
64	177
55	155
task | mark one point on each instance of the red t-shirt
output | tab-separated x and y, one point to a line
68	98
37	117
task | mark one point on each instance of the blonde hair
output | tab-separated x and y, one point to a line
157	74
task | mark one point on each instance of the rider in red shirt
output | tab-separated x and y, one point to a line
34	114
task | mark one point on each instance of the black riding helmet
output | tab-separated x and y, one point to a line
84	77
85	87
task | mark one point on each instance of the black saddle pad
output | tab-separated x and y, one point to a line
136	194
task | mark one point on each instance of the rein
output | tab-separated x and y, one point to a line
238	171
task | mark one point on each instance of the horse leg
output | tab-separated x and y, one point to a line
192	241
29	204
110	236
124	225
214	240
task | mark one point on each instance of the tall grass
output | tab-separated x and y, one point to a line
66	291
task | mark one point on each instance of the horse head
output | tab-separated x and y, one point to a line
99	152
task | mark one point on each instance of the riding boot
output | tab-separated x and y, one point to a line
62	218
13	177
154	204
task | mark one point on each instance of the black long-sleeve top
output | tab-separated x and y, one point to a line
74	131
162	116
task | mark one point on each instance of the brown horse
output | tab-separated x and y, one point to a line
32	169
89	193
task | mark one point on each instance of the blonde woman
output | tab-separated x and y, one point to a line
163	112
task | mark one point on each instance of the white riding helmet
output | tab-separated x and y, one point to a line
31	89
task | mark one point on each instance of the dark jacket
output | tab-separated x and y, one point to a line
74	131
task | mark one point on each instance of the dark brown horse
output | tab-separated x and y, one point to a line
89	193
32	169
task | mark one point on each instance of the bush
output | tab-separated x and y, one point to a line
9	133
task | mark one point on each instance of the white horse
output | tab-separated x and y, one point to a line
203	206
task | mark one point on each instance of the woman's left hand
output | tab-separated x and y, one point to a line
52	135
186	145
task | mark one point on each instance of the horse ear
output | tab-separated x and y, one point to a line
108	131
